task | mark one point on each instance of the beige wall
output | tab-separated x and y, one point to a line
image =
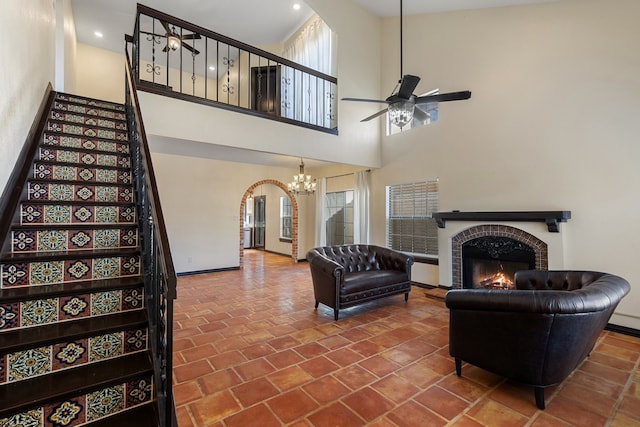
552	123
27	66
66	47
100	73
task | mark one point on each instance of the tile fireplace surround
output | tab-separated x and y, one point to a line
543	231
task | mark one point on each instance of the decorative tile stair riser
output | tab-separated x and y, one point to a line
66	271
88	120
87	407
90	102
69	240
88	131
89	111
67	141
45	311
31	213
34	362
75	173
83	158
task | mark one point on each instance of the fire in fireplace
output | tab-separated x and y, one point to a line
492	261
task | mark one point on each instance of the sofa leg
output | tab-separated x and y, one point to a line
317	303
458	367
406	296
335	314
539	392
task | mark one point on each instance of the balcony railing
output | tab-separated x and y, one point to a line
175	58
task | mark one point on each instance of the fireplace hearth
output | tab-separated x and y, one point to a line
492	261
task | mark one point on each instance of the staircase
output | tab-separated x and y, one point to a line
75	344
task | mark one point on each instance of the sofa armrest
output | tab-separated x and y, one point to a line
322	265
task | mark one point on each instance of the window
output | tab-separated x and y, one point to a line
339	210
286	223
410	227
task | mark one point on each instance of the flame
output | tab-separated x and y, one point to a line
498	281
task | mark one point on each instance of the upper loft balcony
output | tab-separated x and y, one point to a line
172	57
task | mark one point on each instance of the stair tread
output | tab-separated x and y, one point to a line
64	255
60	385
23	293
33	337
68	97
139	416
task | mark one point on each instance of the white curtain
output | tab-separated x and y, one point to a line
303	95
321	217
361	210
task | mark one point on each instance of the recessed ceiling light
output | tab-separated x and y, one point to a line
212	68
296	6
98	34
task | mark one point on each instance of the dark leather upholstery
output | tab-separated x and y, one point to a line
347	275
538	333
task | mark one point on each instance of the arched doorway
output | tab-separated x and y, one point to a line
294	214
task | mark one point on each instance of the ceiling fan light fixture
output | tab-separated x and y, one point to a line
401	112
173	42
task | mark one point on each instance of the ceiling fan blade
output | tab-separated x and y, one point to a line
407	86
186	46
373	116
443	97
166	27
191	36
152	34
365	100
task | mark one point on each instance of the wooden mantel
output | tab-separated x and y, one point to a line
551	218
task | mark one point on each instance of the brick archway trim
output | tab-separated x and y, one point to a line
294	213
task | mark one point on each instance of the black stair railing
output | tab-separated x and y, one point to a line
159	273
175	58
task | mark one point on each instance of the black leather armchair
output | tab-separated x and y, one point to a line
538	333
348	275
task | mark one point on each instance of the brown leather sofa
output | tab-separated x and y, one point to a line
348	275
538	333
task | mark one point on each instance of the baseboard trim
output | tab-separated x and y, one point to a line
213	270
623	330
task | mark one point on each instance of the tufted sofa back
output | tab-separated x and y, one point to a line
354	258
541	280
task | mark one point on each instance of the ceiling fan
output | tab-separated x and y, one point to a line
403	105
174	39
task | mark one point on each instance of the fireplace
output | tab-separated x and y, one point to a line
492	261
481	254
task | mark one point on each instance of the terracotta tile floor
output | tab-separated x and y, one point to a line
250	350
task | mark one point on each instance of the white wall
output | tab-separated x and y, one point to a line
27	66
552	123
66	47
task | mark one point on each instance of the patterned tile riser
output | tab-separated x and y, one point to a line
69	240
34	362
85	143
88	121
75	173
67	271
38	312
86	131
76	214
83	158
80	193
90	111
88	407
90	102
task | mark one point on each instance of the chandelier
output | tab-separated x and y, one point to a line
302	184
